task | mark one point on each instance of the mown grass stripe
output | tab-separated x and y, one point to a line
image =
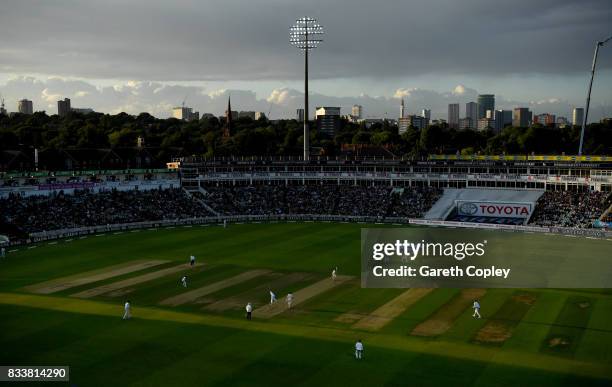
441	348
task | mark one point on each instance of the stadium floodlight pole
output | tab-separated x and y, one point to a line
588	99
306	35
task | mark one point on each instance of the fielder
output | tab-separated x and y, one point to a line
334	274
272	297
476	307
192	260
359	350
289	300
184	281
127	314
249	311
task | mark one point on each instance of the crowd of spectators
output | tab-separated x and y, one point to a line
379	201
570	209
40	213
84	208
414	202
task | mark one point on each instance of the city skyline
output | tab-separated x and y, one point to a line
126	64
159	99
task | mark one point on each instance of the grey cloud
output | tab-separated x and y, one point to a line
245	39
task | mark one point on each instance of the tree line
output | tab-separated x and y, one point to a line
283	137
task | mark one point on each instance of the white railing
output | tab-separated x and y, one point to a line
220	176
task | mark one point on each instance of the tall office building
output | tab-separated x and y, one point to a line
299	115
25	106
521	117
471	112
485	102
402	109
502	119
328	120
357	112
426	113
577	116
453	115
63	107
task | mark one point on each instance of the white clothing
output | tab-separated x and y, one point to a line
272	297
127	311
289	300
249	308
476	307
358	350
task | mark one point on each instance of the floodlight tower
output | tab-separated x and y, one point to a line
305	34
588	99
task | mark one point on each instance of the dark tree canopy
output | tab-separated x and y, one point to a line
282	137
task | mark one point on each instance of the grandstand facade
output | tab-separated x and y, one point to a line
499	191
439	171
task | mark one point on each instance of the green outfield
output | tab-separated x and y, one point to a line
61	303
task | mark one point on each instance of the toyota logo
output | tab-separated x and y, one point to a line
468	208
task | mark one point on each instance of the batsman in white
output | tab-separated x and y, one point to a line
272	297
334	273
127	310
358	350
184	281
289	300
476	307
249	310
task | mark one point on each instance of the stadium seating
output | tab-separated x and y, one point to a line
570	209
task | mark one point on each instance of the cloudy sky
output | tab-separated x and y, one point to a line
150	55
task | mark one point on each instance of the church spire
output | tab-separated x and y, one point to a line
228	118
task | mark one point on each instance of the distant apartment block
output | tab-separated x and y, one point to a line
415	121
466	123
485	102
25	106
185	113
328	120
485	123
577	116
502	119
471	112
521	117
357	112
63	107
426	113
453	115
545	119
